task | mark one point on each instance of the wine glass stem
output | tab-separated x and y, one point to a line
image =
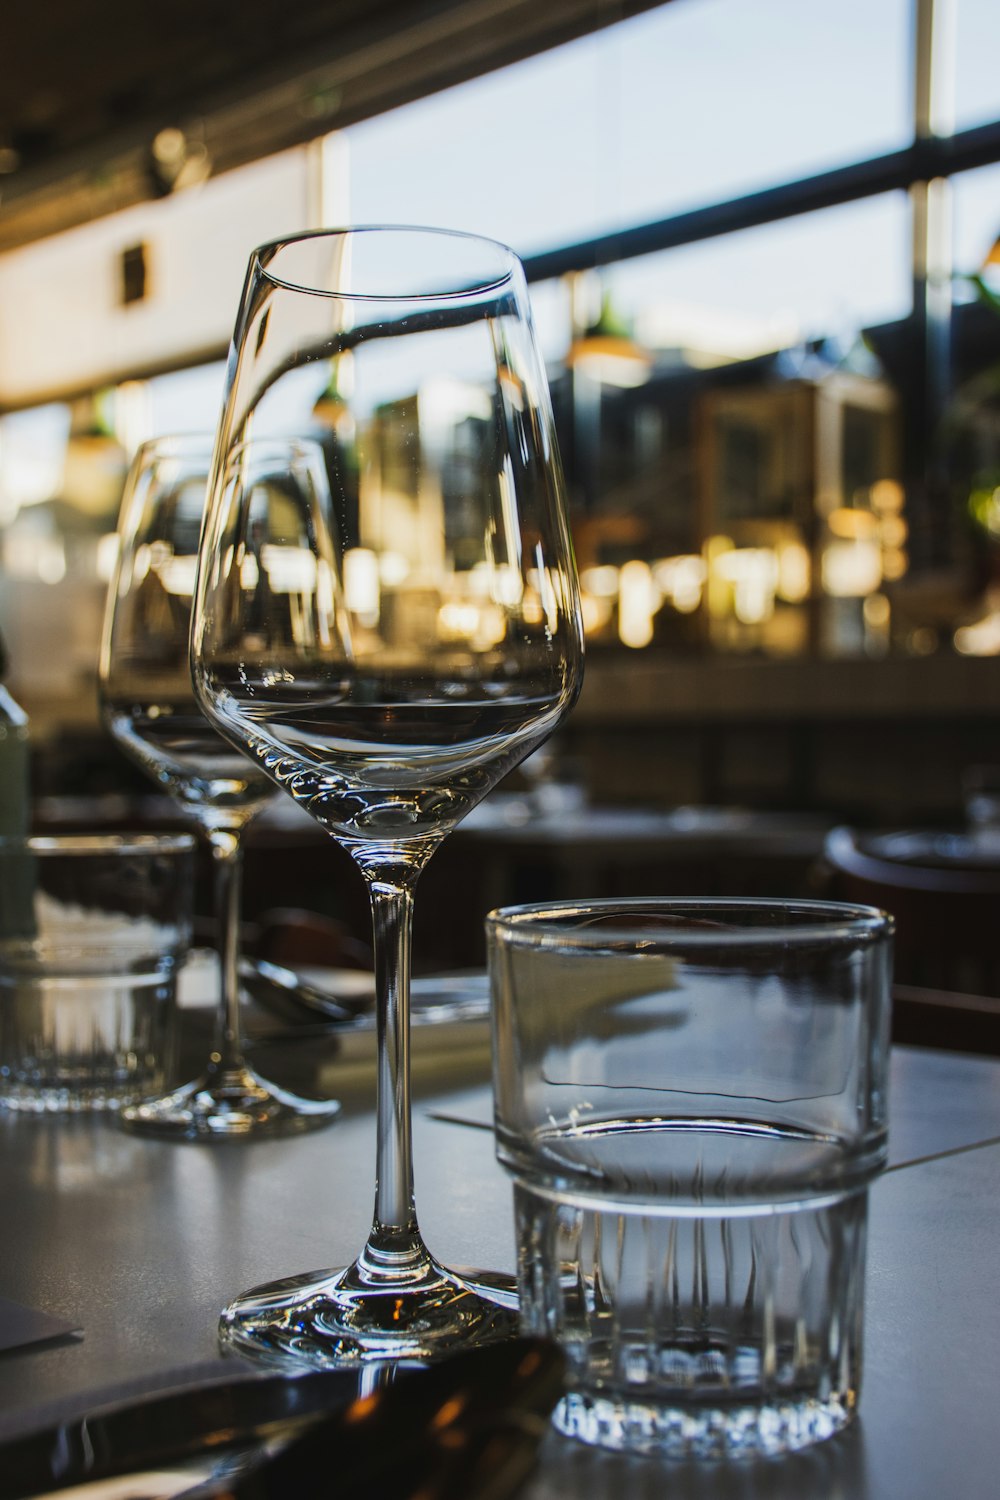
227	857
394	1243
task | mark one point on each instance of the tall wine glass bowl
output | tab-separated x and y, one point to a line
148	704
387	641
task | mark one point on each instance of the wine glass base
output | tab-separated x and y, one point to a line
338	1319
228	1106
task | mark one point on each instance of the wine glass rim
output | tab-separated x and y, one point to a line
476	286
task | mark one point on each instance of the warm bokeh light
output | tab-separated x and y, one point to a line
851	524
794	573
107	556
850	570
393	569
602	582
887	497
362	592
876	611
893	531
981	638
894	564
596	612
177	573
681	580
50	560
638	601
752	573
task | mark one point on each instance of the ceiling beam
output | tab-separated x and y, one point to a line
85	89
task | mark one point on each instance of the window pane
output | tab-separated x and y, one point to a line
742	490
691	103
187	400
977	72
552	315
32	454
976	217
821	275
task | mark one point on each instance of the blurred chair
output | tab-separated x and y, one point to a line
947	948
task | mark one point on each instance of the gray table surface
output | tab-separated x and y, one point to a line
144	1241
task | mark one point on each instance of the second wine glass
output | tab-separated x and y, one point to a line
149	706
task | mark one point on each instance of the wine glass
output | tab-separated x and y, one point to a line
148	704
419	636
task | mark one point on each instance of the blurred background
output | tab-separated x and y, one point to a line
763	246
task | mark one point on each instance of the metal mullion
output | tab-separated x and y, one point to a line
897	171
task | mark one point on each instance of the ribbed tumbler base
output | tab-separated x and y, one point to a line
707	1337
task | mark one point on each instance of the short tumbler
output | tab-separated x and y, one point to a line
93	930
691	1100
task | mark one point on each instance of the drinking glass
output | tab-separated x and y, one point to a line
691	1101
387	639
93	931
149	706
